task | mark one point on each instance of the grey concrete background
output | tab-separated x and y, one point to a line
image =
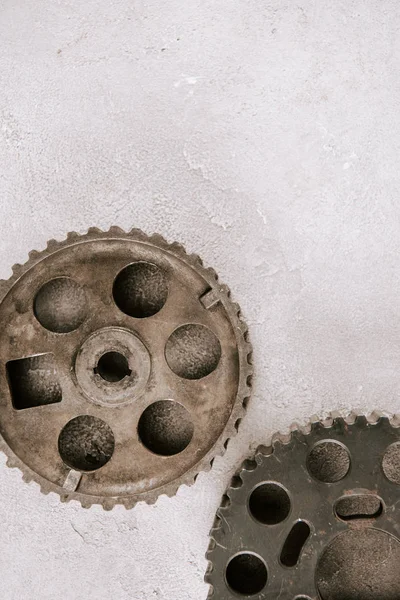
265	137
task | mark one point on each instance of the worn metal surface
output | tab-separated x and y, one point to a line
124	367
313	516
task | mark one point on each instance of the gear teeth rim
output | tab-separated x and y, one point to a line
244	347
350	420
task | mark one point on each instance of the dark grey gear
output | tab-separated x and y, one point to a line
314	516
124	367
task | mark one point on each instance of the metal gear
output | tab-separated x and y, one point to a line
313	516
125	367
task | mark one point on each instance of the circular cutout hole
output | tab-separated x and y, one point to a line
391	463
360	565
61	305
140	290
193	351
86	443
113	367
165	428
328	461
269	504
246	574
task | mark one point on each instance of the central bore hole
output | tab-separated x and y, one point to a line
113	367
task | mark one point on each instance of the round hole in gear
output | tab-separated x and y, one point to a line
391	463
193	351
328	461
61	305
246	574
140	290
360	565
165	428
269	503
113	367
86	443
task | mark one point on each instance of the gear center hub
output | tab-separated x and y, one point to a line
112	366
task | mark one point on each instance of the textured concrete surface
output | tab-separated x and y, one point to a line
263	135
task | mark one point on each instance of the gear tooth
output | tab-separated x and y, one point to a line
242	327
108	504
138	234
52	244
210	592
384	422
306	428
72	235
16	269
11	462
196	262
338	421
395	421
377	416
33	255
328	422
153	499
26	477
316	425
276	440
177	248
208	574
211	545
211	272
94	231
208	571
297	433
361	421
335	415
238	312
351	418
44	490
217	524
159	240
116	230
129	503
85	502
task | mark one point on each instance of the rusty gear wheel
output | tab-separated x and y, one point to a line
313	516
125	367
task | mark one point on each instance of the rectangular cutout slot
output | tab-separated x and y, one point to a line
33	381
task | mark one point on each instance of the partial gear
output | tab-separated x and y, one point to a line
313	516
125	367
